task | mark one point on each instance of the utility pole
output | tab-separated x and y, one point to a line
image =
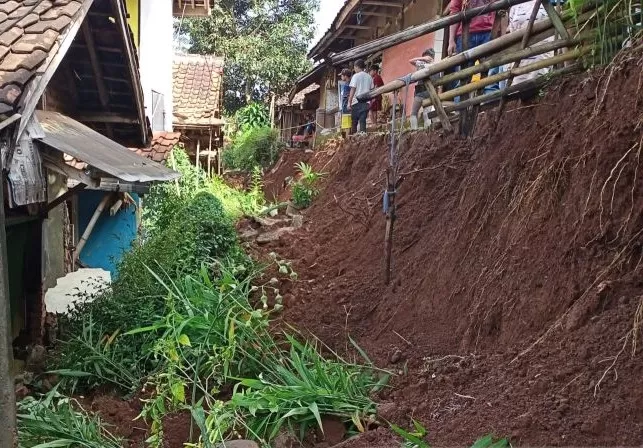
8	435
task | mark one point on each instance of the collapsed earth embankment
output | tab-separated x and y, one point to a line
517	295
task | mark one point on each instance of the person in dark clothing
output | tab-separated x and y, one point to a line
376	103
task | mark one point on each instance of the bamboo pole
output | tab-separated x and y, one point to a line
511	73
90	227
466	56
494	97
433	94
506	58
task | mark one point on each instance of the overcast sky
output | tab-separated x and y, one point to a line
325	17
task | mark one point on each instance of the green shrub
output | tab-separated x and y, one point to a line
256	147
305	189
254	115
198	233
54	421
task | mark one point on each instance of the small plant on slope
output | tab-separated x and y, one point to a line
416	438
57	421
304	190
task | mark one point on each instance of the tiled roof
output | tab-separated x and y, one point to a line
29	31
162	144
158	151
197	89
299	98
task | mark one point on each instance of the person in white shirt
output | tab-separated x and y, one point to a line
361	83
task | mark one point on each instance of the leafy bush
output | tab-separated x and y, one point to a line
256	147
253	116
304	190
53	421
197	234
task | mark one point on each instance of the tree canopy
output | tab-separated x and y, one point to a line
264	43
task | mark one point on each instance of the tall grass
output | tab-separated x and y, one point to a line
55	421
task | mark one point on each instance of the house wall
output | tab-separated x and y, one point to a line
133	13
112	235
395	61
156	52
53	233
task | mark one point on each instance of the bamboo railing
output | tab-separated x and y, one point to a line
576	34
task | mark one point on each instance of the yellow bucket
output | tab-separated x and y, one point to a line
347	121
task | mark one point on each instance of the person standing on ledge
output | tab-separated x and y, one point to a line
361	83
480	28
376	103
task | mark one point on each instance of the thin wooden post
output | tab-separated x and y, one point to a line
198	160
556	19
210	154
433	94
8	435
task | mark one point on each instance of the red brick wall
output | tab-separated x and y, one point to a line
395	61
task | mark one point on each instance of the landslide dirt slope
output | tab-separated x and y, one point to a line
518	268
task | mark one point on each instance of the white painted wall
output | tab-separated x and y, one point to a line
156	53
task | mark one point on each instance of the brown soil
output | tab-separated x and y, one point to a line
517	269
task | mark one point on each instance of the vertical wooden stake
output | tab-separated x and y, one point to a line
444	118
8	435
210	154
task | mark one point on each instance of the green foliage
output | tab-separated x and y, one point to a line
265	43
305	190
417	438
54	421
256	147
412	439
197	234
613	23
297	386
252	116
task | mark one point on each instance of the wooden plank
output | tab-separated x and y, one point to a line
391	4
103	95
61	167
109	117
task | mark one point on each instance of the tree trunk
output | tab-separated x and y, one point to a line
248	91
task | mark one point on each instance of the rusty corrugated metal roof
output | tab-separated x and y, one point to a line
86	145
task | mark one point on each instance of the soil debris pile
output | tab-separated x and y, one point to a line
517	296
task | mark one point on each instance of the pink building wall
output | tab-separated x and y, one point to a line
395	61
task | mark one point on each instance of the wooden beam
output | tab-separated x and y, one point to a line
555	19
61	167
381	3
357	27
95	64
63	197
108	117
379	14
